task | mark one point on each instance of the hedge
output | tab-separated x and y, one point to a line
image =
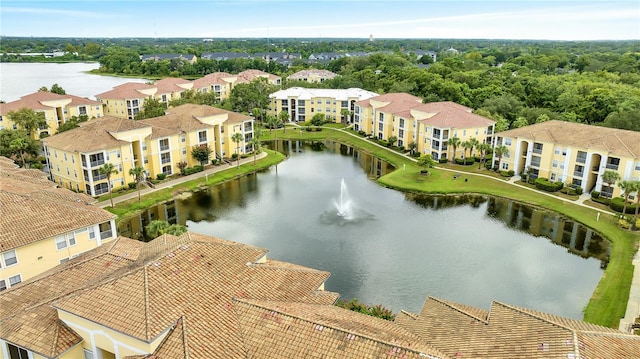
546	185
617	204
470	161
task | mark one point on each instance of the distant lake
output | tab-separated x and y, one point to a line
20	79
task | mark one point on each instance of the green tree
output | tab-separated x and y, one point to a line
454	142
28	119
610	177
57	89
20	146
201	153
520	122
284	117
8	136
474	144
157	228
107	170
636	189
627	187
256	144
138	174
500	151
255	94
412	147
346	115
257	114
151	108
70	124
318	119
484	149
426	161
237	138
392	140
467	145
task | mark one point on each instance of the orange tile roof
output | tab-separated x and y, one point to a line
250	75
32	210
618	142
216	78
508	331
35	101
302	74
172	84
205	110
93	135
128	90
453	115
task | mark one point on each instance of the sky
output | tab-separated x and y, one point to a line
429	19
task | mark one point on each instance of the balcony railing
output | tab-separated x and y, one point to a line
535	163
94	163
166	160
581	159
164	148
578	173
106	234
102	190
537	150
612	166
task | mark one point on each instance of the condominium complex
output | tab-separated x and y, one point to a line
156	144
312	75
302	103
126	100
573	153
428	125
56	109
43	225
196	296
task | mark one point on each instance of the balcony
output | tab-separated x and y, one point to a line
166	160
94	163
106	234
578	173
537	150
581	159
595	168
102	190
611	166
164	147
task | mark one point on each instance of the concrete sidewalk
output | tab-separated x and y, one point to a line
633	305
178	180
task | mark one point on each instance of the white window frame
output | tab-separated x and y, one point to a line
19	278
5	256
61	240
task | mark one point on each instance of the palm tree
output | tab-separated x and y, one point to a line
453	142
636	189
345	115
284	117
467	145
257	114
237	138
627	187
474	144
108	169
20	145
500	151
610	178
255	143
137	173
484	148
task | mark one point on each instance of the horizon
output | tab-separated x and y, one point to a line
563	20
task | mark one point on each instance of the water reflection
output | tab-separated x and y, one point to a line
538	222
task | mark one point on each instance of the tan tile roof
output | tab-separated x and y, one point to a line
195	277
35	101
453	115
302	74
93	135
618	142
27	318
172	84
509	331
402	97
301	330
31	210
216	78
205	110
250	75
128	90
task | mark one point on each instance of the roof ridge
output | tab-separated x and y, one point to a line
147	309
624	145
442	301
533	315
397	345
409	314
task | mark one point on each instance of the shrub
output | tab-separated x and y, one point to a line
161	176
362	133
595	194
578	190
198	168
487	165
443	160
617	204
460	161
510	173
234	156
424	172
376	311
602	200
505	174
132	185
308	129
546	185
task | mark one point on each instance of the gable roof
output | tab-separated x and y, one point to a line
37	101
172	84
93	135
302	93
508	331
452	115
196	111
617	142
216	78
127	90
31	207
303	74
251	74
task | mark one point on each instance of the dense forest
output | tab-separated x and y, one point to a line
514	82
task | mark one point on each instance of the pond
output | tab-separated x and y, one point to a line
322	208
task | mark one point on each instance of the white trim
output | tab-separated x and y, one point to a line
94	348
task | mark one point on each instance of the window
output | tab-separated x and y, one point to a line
184	151
72	239
505	166
15	280
564	151
61	242
183	138
555	163
165	158
92	233
401	122
164	144
553	177
88	354
3	284
10	258
328	102
507	142
65	156
17	352
144	146
202	136
637	166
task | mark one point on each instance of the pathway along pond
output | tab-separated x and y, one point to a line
393	248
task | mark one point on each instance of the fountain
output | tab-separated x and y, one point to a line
344	206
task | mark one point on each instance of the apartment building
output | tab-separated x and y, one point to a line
56	109
171	88
126	100
428	125
220	83
303	103
156	144
35	237
247	76
312	75
573	153
198	296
